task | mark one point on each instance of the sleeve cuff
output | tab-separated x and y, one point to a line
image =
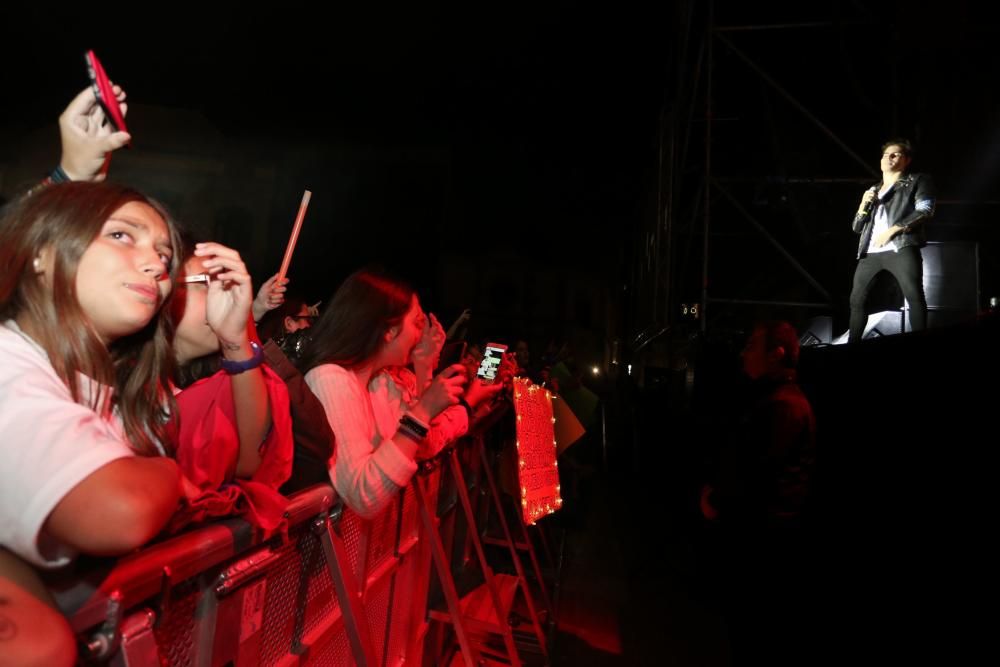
396	465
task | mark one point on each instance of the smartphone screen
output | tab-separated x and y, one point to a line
104	92
491	362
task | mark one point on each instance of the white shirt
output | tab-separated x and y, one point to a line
368	469
48	445
881	224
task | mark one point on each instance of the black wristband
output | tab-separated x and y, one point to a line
409	433
410	423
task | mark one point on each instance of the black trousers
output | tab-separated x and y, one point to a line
907	267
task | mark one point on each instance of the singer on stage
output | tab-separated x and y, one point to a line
891	223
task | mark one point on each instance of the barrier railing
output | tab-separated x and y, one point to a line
335	590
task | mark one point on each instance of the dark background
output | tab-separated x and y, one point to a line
544	164
510	158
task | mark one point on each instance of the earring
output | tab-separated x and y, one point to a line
38	265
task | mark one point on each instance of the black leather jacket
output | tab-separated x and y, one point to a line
909	203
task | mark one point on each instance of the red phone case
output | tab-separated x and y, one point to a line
104	92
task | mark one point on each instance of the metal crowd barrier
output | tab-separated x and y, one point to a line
334	590
219	595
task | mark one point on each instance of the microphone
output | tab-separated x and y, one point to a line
866	206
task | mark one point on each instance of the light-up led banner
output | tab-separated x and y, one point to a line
537	469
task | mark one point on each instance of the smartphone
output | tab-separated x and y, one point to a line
490	366
451	353
104	92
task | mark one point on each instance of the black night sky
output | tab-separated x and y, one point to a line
505	157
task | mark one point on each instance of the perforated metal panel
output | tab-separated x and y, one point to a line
175	631
293	600
351	526
382	536
377	610
281	621
401	609
410	513
336	653
321	597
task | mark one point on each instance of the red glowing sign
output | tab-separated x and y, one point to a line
537	468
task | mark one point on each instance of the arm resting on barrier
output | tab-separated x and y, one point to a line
118	508
367	469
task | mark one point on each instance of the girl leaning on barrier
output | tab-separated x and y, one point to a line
86	270
384	416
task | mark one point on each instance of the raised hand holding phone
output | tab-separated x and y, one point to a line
478	392
87	140
490	366
104	92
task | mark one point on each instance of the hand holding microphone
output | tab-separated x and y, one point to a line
871	194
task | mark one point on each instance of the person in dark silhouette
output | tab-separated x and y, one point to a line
756	499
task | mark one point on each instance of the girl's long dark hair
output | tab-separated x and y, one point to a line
64	220
351	329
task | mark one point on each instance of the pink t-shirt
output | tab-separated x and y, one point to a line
48	445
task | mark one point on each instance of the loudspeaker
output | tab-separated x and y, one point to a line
951	283
951	276
819	331
886	323
951	287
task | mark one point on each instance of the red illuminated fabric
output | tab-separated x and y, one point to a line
208	448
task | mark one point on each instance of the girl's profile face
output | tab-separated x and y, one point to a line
194	337
407	335
124	274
